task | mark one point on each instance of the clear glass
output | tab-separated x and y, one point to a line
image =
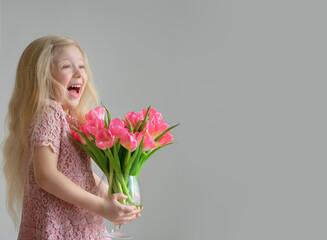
130	186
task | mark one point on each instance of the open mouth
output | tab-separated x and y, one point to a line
75	88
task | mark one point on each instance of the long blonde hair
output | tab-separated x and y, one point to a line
34	85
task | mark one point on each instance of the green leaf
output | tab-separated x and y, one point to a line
118	145
136	159
146	118
104	165
99	162
108	114
85	148
130	128
167	130
155	150
116	156
126	161
115	162
137	125
93	137
106	125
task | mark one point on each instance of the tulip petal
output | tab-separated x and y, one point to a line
104	139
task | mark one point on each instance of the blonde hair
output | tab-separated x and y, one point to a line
34	86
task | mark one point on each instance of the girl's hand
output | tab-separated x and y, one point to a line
116	212
139	214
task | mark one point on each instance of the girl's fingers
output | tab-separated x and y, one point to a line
119	196
130	210
123	220
120	222
133	214
139	214
129	213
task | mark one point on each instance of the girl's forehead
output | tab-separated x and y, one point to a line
65	52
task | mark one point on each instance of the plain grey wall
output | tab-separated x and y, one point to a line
247	82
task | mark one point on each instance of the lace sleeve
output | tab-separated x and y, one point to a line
47	128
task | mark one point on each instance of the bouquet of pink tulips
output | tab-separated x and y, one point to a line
120	147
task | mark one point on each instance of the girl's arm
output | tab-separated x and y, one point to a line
53	181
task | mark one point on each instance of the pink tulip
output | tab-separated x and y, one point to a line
97	113
104	139
117	127
78	137
148	142
129	141
153	113
83	130
164	139
92	126
156	126
133	118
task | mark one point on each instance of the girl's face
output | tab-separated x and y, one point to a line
68	69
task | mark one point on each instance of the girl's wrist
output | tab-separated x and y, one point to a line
99	205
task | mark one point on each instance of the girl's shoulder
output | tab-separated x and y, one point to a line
48	126
54	109
54	106
51	110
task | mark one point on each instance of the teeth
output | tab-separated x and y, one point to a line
75	86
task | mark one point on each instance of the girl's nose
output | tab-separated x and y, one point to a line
77	72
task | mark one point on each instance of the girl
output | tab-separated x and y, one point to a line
49	179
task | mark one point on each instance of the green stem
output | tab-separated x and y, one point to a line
117	158
126	162
115	162
117	184
110	178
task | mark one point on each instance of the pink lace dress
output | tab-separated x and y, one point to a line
44	215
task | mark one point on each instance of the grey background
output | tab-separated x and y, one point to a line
247	82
